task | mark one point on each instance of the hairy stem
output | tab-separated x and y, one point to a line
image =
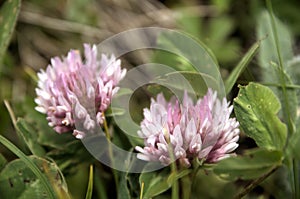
254	183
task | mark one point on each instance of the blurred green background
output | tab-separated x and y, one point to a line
45	29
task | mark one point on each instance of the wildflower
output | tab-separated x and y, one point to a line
186	131
75	90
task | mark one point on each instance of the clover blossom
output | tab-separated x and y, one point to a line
72	90
186	131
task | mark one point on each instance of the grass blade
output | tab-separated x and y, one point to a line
31	165
89	191
14	121
9	14
100	187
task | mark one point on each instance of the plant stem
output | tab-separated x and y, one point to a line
110	151
186	184
106	131
288	86
296	178
142	190
282	75
175	190
14	121
175	186
291	86
291	130
254	183
89	191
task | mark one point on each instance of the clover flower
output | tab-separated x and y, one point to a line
186	131
72	90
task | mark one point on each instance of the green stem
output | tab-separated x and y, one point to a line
287	86
282	75
254	183
110	151
175	190
142	190
175	185
186	184
14	121
296	178
106	131
89	191
295	181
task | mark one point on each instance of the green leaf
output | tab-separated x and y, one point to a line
30	137
49	137
46	136
240	67
80	175
270	62
176	176
8	17
292	149
278	183
18	181
128	182
89	191
255	108
267	52
251	165
31	165
3	161
295	141
21	139
156	183
209	185
76	150
294	67
100	185
123	191
133	183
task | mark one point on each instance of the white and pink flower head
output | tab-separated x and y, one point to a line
186	131
75	89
